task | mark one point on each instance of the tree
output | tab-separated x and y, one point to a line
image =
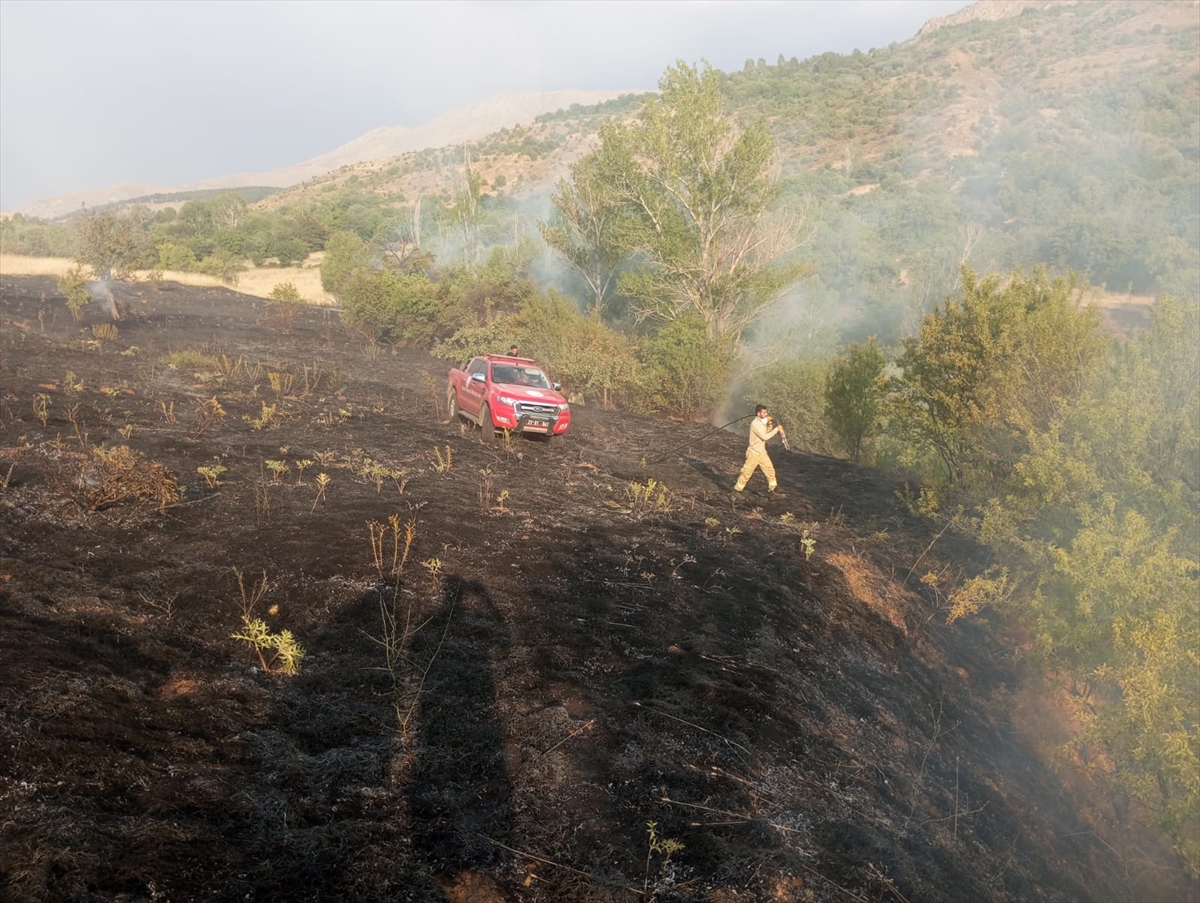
686	371
345	252
985	369
465	210
693	194
109	243
581	229
853	393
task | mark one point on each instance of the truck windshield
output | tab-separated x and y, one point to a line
520	376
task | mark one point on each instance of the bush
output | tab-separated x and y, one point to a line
224	266
286	293
686	372
469	341
73	284
795	392
578	349
345	253
393	307
286	302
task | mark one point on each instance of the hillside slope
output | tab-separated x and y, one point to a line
574	642
1059	134
452	127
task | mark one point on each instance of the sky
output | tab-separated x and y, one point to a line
93	94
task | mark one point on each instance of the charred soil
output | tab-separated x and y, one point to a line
517	655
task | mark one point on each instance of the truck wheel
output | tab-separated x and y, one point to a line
452	404
486	425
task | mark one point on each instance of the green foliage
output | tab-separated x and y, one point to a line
477	294
177	258
626	103
112	243
587	357
286	303
1093	529
690	191
984	370
345	253
225	265
794	391
388	305
286	293
853	394
469	341
686	372
583	227
20	234
286	653
73	285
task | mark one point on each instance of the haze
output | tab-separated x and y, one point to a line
94	94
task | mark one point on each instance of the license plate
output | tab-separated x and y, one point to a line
538	424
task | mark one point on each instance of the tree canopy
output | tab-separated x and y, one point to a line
692	194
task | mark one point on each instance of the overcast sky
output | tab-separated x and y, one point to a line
97	93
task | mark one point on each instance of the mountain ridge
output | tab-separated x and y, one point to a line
454	126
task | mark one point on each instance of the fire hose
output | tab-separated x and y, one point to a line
770	422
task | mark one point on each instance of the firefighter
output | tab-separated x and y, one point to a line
756	454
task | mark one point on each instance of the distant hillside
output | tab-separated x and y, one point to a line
1011	134
1062	135
453	127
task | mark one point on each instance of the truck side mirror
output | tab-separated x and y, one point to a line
558	387
477	377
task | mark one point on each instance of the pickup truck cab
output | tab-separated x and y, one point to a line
501	392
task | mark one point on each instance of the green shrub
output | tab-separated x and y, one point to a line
686	372
795	392
73	284
390	306
286	293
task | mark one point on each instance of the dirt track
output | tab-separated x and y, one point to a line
578	663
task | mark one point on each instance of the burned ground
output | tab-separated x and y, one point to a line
575	653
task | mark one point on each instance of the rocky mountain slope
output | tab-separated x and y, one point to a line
453	127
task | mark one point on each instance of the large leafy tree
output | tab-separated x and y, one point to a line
693	194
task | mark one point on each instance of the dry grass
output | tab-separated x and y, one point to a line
20	265
871	587
258	281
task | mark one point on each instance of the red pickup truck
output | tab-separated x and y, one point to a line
507	393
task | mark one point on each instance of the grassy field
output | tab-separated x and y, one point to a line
257	281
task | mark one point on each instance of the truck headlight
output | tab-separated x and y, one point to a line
563	408
504	399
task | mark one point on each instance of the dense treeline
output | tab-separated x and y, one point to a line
1076	459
